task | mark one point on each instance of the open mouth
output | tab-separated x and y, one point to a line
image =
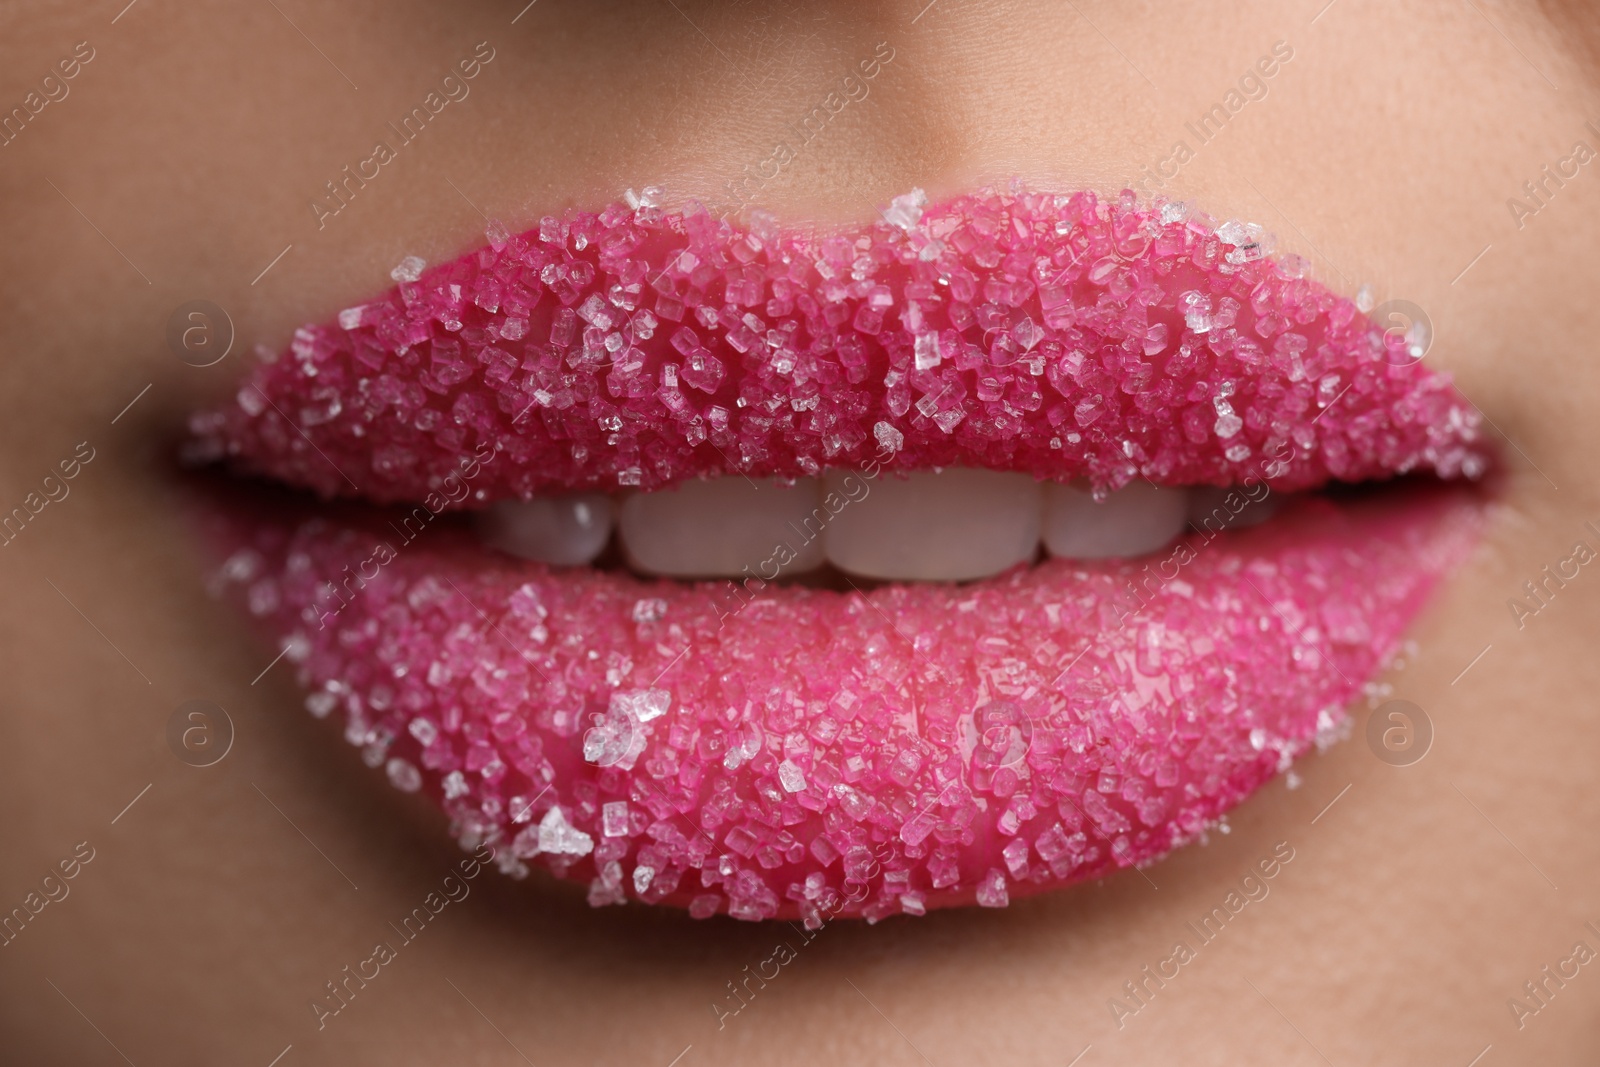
986	548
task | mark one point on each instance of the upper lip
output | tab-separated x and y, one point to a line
1066	337
793	351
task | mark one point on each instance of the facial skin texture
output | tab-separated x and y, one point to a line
184	159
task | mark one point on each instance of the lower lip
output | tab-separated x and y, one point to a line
843	754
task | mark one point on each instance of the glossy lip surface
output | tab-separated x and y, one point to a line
785	752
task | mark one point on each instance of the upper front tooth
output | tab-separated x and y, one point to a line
722	526
946	525
564	530
1135	519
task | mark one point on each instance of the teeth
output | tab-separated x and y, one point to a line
1135	519
951	525
719	527
563	530
1213	509
935	525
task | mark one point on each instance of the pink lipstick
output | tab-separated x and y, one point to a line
776	750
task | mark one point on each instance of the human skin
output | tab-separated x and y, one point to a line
219	904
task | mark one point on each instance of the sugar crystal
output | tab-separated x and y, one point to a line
992	890
403	775
408	269
904	212
791	776
559	837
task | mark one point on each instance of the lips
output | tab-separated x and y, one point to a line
770	750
